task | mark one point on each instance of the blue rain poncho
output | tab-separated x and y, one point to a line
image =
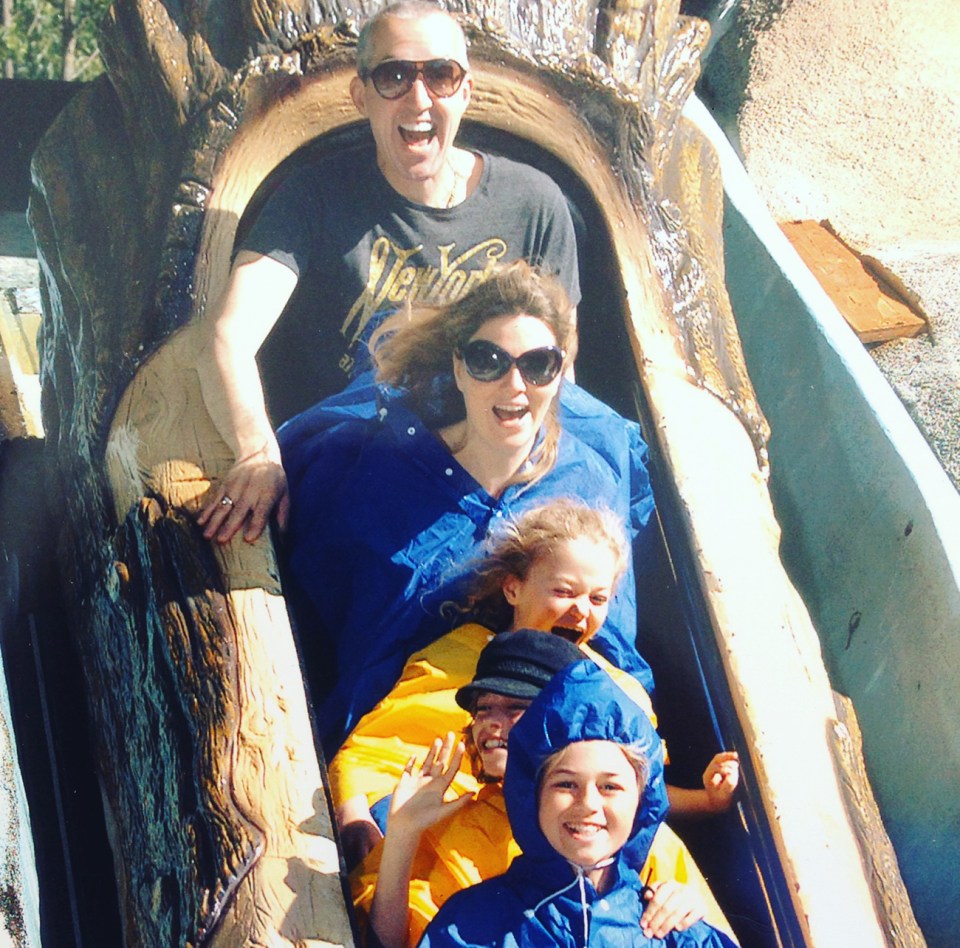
542	900
385	527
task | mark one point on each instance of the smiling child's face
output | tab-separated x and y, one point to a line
588	801
566	591
493	718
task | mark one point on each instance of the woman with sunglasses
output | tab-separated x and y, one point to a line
389	510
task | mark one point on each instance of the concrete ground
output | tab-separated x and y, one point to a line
850	112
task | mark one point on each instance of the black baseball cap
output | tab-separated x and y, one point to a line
518	665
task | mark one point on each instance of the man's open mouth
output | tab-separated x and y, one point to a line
415	133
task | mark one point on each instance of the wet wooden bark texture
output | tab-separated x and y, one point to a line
166	661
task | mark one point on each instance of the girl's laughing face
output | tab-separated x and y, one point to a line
566	591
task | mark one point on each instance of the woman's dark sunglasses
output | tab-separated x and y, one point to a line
487	362
395	77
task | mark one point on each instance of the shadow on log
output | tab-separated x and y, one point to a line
172	680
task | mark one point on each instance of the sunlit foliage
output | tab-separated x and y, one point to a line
51	39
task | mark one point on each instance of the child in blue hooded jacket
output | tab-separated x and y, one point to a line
585	794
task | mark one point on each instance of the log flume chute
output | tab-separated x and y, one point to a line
211	782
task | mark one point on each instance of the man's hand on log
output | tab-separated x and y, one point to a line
254	487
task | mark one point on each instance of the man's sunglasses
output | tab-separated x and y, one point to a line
487	362
395	77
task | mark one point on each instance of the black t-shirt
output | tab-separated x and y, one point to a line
360	250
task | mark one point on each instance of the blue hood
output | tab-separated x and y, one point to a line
581	703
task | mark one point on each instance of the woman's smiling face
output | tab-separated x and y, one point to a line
505	415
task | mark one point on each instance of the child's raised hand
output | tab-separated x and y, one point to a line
418	801
720	780
671	906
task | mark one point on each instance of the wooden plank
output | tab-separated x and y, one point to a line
871	307
19	379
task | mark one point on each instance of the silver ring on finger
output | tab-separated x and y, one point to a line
226	501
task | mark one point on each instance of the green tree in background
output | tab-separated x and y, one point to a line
51	39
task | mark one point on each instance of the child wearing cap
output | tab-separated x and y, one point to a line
435	847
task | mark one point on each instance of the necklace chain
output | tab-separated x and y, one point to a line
457	178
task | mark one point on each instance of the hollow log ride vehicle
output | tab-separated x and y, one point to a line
211	784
